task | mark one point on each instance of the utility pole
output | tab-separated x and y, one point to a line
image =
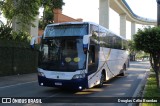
158	12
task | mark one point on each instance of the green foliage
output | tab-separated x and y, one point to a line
47	18
6	33
7	7
24	11
141	55
41	24
21	36
151	90
53	4
57	4
148	39
131	46
49	5
48	15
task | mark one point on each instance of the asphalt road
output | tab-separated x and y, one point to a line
27	86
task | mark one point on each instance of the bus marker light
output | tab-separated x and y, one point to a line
80	87
41	84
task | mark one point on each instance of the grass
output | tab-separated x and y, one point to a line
151	90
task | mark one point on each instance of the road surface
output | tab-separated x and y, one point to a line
27	86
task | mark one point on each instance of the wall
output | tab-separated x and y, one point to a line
17	59
59	17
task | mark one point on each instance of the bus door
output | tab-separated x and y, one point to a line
93	63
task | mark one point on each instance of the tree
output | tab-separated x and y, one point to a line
54	4
48	14
24	11
7	9
57	4
148	40
132	50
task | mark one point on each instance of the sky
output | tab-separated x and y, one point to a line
88	10
144	8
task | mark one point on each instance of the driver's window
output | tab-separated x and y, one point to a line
93	57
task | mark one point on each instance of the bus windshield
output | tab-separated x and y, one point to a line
62	54
66	30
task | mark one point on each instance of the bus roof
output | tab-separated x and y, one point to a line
75	23
67	23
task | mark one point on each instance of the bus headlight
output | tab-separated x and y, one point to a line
41	74
77	76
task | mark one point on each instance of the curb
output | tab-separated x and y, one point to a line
140	87
140	104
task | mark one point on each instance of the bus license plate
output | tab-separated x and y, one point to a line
58	83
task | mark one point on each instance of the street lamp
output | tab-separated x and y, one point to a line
158	12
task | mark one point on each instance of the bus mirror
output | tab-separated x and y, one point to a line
33	40
85	43
85	39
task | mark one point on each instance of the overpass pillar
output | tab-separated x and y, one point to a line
133	29
123	25
33	31
104	13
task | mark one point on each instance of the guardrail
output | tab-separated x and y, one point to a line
136	16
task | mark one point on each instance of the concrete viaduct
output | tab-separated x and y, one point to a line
125	13
120	6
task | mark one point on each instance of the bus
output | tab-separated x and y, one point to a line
80	55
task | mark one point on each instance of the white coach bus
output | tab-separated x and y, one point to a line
79	55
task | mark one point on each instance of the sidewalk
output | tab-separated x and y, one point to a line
16	79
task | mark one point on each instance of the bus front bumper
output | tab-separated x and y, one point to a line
77	84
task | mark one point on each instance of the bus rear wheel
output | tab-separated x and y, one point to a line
102	79
123	70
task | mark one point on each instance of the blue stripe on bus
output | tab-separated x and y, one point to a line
70	84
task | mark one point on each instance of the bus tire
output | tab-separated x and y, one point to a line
102	79
123	71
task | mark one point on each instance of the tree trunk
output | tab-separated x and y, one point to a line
157	79
156	62
151	61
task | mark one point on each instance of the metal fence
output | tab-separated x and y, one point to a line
16	60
